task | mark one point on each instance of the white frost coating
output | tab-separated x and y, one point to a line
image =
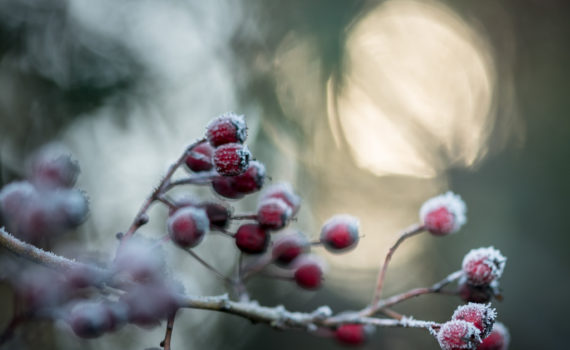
342	219
484	312
323	311
452	202
489	256
500	328
458	334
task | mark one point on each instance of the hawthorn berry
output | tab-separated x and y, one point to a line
139	261
476	294
351	334
53	167
288	246
223	185
231	159
188	226
458	334
285	192
148	304
90	319
227	128
251	180
273	213
340	233
482	316
200	157
444	214
14	197
218	214
308	273
251	239
499	338
483	265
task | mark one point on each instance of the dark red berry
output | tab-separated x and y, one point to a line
351	334
251	239
340	233
498	339
223	185
273	213
458	334
227	128
480	315
308	274
53	167
285	192
218	214
288	247
90	319
476	294
188	226
251	180
231	159
200	157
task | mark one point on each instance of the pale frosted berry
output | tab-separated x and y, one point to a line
231	159
482	316
140	261
188	226
90	319
218	214
52	167
200	157
483	265
499	338
227	128
251	180
72	205
273	213
39	288
308	273
288	246
223	185
340	233
14	197
148	304
351	334
458	334
285	192
443	214
251	239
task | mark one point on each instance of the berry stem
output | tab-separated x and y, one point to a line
244	217
210	267
407	233
202	178
166	201
168	334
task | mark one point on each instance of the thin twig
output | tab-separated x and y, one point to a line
168	334
244	217
202	178
209	267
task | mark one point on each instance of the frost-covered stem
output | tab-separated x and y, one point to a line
166	201
162	187
407	233
168	333
202	178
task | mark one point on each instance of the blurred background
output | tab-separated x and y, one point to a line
367	107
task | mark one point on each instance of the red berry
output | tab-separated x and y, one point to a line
251	239
53	167
223	186
351	334
340	233
273	213
231	159
458	334
90	319
480	315
218	214
251	180
498	339
285	192
288	247
227	128
200	157
476	294
308	274
188	226
484	265
443	214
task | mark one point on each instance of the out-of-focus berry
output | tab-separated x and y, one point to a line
251	239
273	213
14	197
53	167
148	304
218	214
231	159
308	273
351	334
90	319
188	226
251	180
285	192
340	233
443	214
483	265
227	128
39	288
200	157
288	246
139	261
482	316
458	334
499	338
223	186
476	294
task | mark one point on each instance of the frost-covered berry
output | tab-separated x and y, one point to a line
231	159
200	157
39	287
52	167
476	294
90	319
458	334
351	334
273	213
148	304
227	128
483	265
140	261
288	246
251	239
223	185
72	206
188	226
285	192
14	197
251	180
443	214
499	338
308	273
481	315
218	214
340	233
